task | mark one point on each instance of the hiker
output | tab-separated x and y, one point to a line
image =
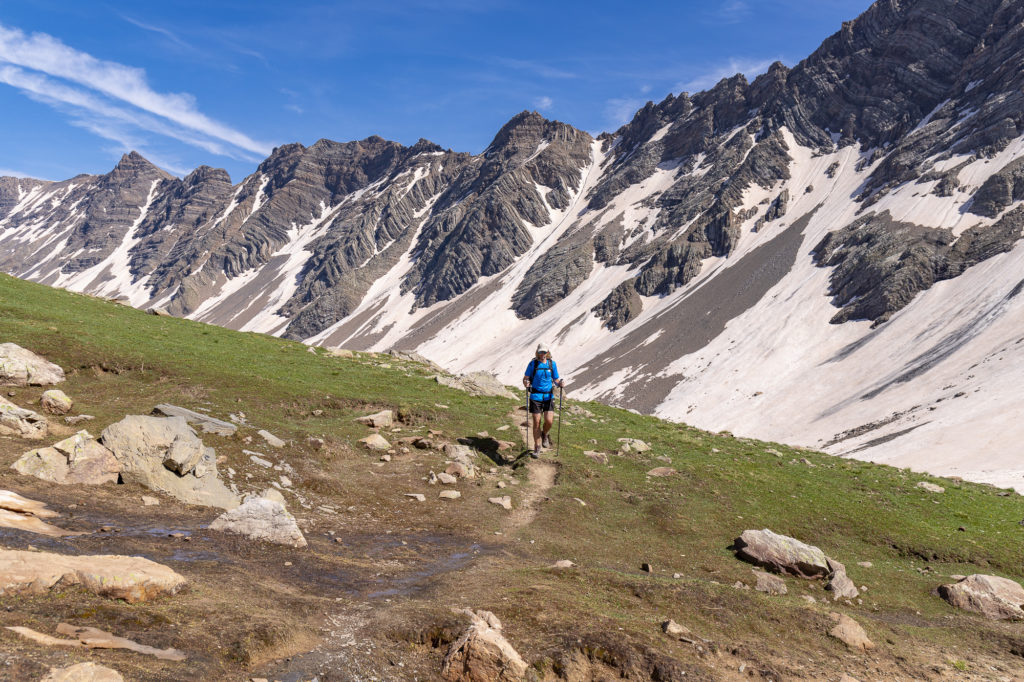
540	379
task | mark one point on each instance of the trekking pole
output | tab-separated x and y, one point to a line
558	436
529	424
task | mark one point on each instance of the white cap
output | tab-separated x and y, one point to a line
542	348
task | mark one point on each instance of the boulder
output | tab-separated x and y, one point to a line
78	419
849	631
79	459
380	420
133	579
594	456
781	554
504	501
18	421
769	584
633	445
20	367
262	518
410	356
419	497
142	445
449	494
340	353
994	597
931	487
461	454
482	654
446	478
839	583
204	422
563	564
375	441
56	401
662	472
674	629
477	383
83	672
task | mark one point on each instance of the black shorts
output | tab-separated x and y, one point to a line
539	406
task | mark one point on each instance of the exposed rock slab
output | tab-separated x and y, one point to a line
477	383
142	444
264	519
133	579
781	554
19	421
21	367
993	597
204	422
83	672
25	514
380	420
482	654
94	638
271	440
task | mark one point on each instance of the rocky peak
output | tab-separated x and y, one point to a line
132	167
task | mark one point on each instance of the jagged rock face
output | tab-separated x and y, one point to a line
675	263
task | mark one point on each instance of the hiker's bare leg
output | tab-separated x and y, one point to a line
549	419
536	427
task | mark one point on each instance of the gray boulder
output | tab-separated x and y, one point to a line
262	518
782	554
79	459
839	583
55	401
994	597
477	383
160	453
18	421
21	367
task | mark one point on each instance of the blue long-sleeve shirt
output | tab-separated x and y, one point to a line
542	376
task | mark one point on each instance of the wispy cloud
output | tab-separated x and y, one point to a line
732	11
620	111
116	94
748	67
166	33
543	103
536	68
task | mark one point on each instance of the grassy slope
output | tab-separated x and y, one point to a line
124	359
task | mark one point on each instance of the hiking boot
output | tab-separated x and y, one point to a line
547	441
535	453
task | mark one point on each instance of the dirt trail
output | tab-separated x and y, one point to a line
541	475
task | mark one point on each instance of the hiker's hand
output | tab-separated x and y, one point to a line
561	383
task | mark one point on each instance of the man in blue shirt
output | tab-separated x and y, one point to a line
541	378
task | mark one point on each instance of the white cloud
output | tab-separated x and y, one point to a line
543	103
748	67
125	85
733	11
620	111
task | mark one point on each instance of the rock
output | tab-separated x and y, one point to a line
78	419
446	478
633	445
159	312
21	367
419	497
461	454
315	443
285	481
931	487
579	502
865	564
505	501
94	638
259	461
781	554
55	401
994	597
662	472
381	420
674	629
183	455
340	353
141	444
25	514
477	383
79	459
849	631
563	563
18	421
599	457
261	518
206	423
375	441
839	583
646	567
449	494
578	411
150	501
769	584
458	469
133	579
271	440
385	458
423	443
83	672
482	654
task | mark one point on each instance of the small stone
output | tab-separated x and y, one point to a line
677	576
599	457
501	484
579	501
375	441
286	482
259	461
447	478
381	420
385	458
419	497
865	564
287	563
150	501
315	443
769	584
272	440
849	631
674	629
449	494
662	472
458	469
563	563
931	487
504	501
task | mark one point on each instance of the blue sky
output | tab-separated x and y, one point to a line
223	82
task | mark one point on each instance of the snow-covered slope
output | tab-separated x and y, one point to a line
828	256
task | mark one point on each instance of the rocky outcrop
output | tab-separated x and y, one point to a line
22	513
165	454
133	579
83	672
21	367
476	383
482	654
203	422
993	597
620	306
18	421
781	554
262	518
79	459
